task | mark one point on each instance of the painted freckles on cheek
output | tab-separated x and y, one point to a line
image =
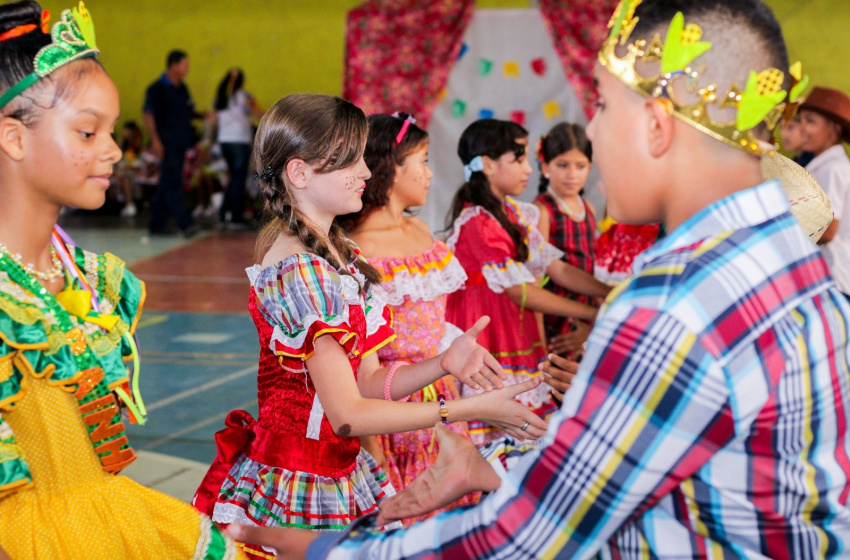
351	184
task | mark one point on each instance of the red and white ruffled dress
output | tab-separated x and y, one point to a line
289	468
416	288
488	255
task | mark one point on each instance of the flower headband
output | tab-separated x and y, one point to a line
72	38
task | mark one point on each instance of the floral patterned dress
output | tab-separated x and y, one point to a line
416	288
488	255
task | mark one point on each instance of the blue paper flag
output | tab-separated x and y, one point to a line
486	114
463	49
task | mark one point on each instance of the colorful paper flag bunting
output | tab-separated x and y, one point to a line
538	66
463	48
518	117
484	66
551	109
511	69
458	108
486	114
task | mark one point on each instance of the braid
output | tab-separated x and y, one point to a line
286	218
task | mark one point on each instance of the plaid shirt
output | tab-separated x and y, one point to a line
709	418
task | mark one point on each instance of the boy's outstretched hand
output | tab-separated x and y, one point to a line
558	373
459	470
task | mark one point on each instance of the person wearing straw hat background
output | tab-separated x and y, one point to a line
825	116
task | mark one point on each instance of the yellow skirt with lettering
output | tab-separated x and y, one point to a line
74	509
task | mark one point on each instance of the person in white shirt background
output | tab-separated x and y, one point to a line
235	108
825	117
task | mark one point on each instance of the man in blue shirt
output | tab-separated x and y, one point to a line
168	113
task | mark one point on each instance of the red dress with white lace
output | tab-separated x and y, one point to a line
488	255
289	468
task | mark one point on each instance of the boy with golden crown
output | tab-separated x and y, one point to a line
709	416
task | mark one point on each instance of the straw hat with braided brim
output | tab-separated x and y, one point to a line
809	204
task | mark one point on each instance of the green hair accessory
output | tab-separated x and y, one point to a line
72	38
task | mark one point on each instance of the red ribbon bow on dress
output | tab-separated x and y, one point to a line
230	443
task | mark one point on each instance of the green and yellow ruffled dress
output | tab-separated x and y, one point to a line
62	438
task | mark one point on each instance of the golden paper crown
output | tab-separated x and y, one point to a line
762	101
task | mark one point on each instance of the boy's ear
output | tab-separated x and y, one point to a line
11	138
298	173
660	126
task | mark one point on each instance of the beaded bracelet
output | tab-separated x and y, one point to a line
389	381
444	412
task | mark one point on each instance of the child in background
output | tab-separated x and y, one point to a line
417	272
496	240
567	221
130	166
67	319
320	384
618	245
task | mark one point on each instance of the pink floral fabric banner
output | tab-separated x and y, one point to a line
578	28
399	53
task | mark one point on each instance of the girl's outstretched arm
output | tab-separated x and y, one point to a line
534	298
350	414
465	359
576	280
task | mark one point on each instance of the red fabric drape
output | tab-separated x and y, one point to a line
578	28
399	53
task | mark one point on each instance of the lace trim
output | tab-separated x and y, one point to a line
541	253
204	539
418	286
451	333
500	277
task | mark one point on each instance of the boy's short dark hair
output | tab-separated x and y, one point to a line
745	37
175	57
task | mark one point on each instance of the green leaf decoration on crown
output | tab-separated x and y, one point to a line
682	45
623	20
801	82
763	93
73	38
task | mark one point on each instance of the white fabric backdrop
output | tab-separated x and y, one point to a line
499	36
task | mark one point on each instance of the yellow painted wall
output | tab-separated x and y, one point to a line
288	46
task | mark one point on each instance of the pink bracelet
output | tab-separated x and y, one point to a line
389	381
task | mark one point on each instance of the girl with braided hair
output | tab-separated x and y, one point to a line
320	384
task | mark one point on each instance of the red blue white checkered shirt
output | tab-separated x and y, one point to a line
709	418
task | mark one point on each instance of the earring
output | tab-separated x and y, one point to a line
546	175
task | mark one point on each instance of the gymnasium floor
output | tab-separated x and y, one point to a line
198	344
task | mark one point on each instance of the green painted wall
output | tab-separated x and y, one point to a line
290	46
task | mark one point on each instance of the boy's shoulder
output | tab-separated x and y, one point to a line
745	276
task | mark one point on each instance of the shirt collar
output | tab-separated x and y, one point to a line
836	151
740	210
167	81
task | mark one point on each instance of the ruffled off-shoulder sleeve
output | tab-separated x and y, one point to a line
541	253
304	298
481	239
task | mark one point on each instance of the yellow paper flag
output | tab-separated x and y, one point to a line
551	109
511	69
